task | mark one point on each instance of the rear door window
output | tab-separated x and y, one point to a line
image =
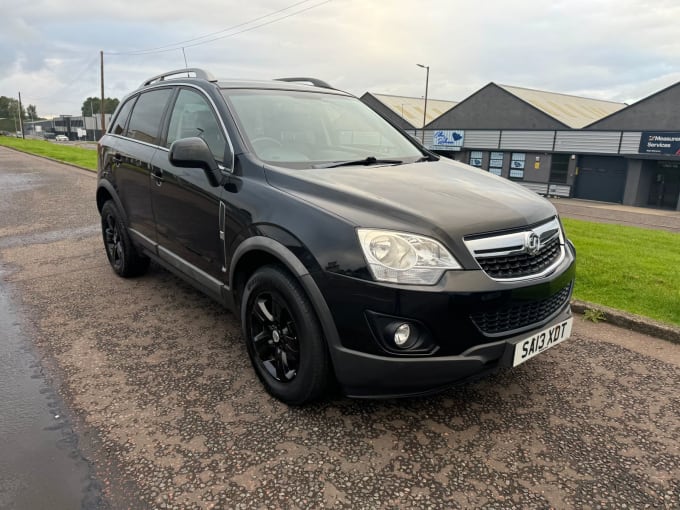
118	126
145	121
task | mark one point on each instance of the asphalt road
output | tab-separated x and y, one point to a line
168	413
602	212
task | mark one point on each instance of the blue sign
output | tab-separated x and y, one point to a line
659	142
447	140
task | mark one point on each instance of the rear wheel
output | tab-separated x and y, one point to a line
283	337
120	251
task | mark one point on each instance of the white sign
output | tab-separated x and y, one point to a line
447	140
81	133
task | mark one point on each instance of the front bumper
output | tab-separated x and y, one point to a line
470	318
363	375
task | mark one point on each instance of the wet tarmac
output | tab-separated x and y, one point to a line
41	465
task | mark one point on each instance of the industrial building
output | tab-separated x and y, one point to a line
563	145
75	127
407	112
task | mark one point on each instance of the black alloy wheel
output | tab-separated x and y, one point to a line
274	336
113	242
283	337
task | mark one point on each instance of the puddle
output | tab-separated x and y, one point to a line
41	466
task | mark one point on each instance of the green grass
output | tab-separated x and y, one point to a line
627	268
86	158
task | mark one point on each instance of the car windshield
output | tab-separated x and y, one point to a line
309	129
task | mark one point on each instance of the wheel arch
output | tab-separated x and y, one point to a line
105	192
258	251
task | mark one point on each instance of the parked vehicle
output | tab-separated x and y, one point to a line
347	249
61	138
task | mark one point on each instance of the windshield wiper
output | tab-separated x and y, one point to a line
370	160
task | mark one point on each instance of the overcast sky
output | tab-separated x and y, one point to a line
619	50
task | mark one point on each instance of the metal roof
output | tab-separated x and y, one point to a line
573	111
411	108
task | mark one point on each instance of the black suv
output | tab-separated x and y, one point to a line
347	248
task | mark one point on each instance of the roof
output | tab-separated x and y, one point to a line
659	111
573	111
411	108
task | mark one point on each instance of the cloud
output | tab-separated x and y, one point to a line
620	50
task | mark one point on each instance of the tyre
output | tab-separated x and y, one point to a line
283	337
120	251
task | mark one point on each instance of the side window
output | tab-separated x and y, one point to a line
145	122
193	116
118	126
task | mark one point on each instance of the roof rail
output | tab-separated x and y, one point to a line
200	73
314	81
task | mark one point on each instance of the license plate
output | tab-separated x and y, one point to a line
541	341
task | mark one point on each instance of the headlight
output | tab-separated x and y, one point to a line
399	257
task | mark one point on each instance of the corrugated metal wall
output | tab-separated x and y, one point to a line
482	139
578	142
630	142
541	141
429	137
598	142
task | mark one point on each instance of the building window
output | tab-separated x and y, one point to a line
496	163
517	165
476	158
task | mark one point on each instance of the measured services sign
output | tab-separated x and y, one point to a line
659	142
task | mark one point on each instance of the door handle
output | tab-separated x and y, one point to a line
157	176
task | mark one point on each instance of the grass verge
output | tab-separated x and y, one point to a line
86	158
632	269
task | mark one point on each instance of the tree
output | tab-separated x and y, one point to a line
9	107
9	118
31	112
92	105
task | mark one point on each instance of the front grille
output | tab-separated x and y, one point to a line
520	254
523	264
518	316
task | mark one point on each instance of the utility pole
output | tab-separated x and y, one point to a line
101	60
21	122
94	131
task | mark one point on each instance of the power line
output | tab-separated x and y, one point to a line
78	76
180	44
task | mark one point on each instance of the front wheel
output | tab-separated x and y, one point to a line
283	337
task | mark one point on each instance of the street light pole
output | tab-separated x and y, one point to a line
427	82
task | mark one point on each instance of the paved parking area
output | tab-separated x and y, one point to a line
660	219
170	414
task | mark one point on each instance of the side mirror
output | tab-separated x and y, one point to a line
195	153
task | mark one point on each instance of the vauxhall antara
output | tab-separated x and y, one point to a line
348	251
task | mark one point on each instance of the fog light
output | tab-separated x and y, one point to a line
402	335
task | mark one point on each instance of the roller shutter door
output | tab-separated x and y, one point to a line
601	178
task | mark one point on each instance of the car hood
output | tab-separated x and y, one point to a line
432	197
